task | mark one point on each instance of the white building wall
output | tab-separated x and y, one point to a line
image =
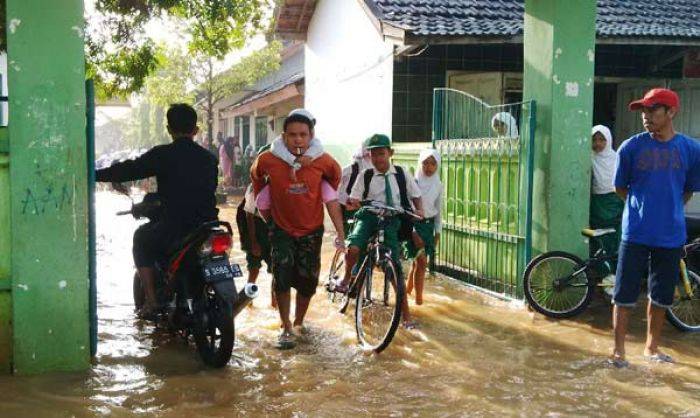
349	76
3	71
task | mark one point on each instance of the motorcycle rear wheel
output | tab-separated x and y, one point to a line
213	330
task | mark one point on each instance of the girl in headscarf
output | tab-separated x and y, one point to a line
426	233
606	207
504	125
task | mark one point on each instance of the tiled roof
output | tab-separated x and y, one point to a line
504	18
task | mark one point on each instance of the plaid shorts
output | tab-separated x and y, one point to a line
296	262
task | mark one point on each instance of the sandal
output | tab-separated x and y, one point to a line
339	287
149	312
286	340
617	362
410	325
660	358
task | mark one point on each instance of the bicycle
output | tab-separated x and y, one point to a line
378	286
559	285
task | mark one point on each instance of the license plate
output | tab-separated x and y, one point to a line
217	271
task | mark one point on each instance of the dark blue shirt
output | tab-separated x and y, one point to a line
656	175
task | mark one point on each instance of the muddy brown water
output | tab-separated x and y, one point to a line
472	356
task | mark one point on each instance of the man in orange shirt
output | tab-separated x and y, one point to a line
297	219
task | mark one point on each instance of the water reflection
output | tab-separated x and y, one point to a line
472	356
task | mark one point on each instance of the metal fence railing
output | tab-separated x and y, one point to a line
487	171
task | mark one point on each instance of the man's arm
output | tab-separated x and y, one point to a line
332	172
336	214
139	168
623	171
622	192
257	173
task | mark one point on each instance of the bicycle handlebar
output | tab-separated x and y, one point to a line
124	212
379	206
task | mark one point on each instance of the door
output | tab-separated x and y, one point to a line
484	86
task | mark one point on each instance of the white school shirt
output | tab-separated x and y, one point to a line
376	187
432	205
345	179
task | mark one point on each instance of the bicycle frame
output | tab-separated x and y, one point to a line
599	258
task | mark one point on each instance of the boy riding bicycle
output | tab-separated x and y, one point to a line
387	184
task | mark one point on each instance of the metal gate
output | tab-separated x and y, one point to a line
487	171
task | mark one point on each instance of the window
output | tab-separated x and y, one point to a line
260	131
245	136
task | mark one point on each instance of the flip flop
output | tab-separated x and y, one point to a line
618	363
410	325
660	358
286	340
341	288
149	313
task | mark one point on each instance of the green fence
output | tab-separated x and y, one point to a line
487	172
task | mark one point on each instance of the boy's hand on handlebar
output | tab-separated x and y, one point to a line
419	213
352	204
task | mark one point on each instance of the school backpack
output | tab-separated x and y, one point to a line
355	167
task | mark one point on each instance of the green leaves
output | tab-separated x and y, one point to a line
120	54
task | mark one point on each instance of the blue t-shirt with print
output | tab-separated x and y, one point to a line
657	174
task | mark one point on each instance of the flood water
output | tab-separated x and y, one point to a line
472	356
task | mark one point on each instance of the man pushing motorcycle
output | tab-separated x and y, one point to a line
187	176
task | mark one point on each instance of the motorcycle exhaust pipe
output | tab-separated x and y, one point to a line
249	292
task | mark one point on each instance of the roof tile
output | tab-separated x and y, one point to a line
616	18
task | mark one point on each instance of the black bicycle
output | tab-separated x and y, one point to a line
560	285
378	287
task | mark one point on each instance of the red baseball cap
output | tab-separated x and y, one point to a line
654	97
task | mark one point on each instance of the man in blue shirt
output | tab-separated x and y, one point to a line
657	173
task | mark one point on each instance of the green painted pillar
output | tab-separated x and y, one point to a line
5	295
48	185
559	57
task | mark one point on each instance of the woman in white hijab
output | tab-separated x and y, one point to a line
426	233
504	125
606	207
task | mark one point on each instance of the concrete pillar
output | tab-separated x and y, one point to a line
48	185
5	285
559	57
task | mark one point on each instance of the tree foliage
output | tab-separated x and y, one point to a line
120	55
182	78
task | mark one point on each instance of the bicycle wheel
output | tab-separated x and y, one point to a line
684	314
335	272
557	300
378	306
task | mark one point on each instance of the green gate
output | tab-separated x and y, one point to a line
487	171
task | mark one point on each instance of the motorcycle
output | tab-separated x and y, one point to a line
195	285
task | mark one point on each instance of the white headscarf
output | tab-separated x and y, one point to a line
428	184
508	120
430	188
362	158
603	163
